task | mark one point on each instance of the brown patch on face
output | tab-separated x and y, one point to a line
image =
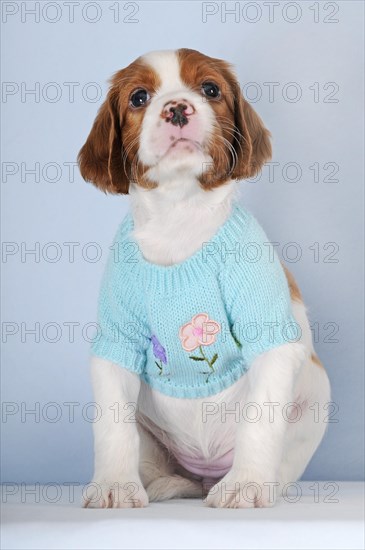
109	158
316	360
295	293
240	144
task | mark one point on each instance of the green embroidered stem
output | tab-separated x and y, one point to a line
159	366
203	357
211	362
237	342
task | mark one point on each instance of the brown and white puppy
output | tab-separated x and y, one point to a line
176	133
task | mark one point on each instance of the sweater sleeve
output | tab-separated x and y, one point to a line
122	331
258	296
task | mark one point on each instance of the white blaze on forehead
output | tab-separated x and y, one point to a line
156	138
166	65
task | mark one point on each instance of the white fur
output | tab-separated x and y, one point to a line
172	222
169	167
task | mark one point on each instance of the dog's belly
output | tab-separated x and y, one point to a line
199	433
213	467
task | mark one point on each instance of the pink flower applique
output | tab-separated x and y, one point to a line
200	331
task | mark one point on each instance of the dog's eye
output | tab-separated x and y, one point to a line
210	89
139	97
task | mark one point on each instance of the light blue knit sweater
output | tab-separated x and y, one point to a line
192	329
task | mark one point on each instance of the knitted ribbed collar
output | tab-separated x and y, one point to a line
202	261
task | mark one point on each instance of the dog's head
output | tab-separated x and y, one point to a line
174	112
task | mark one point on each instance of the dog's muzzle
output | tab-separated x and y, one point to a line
177	112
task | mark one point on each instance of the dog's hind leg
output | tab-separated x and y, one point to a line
158	474
314	408
173	486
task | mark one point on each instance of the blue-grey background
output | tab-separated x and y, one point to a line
312	50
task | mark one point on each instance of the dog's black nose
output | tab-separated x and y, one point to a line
177	112
179	117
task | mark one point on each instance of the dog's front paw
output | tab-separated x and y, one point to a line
244	488
117	494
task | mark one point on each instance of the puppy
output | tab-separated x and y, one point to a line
204	367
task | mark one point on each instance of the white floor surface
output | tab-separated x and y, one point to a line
324	516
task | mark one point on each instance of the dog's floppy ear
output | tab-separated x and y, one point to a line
101	158
251	141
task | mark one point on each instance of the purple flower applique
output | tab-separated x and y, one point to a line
159	352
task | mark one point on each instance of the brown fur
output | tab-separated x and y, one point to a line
237	122
295	293
317	361
296	296
109	158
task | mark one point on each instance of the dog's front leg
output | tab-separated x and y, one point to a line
252	480
116	482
